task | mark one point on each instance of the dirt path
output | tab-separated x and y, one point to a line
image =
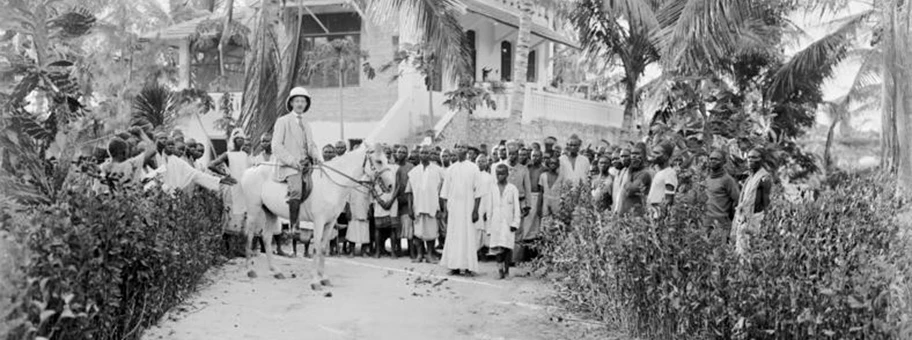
371	299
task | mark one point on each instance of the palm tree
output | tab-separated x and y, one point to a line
338	57
841	111
622	31
521	61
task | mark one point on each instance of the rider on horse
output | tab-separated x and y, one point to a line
295	151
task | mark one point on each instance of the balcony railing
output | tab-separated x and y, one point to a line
235	103
549	106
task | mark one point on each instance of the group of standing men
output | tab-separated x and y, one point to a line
644	182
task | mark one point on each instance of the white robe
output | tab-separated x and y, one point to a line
505	214
460	189
178	174
485	180
238	162
425	184
575	172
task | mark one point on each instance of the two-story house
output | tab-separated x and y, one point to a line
403	110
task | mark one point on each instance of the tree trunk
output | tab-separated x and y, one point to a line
898	91
223	40
630	108
341	100
827	156
261	106
521	58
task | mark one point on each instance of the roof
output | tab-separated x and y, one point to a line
184	29
510	17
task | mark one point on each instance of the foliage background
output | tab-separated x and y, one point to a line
106	266
837	267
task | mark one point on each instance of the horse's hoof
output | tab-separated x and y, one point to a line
251	274
325	282
316	286
279	276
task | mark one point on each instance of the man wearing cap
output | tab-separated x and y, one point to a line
295	150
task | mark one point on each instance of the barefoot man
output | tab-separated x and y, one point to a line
294	148
461	196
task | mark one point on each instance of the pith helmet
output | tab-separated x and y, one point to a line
295	92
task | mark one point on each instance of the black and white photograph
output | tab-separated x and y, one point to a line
456	169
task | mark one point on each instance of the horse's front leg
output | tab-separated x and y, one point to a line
317	243
267	235
249	230
321	265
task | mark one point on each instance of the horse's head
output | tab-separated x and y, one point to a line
377	167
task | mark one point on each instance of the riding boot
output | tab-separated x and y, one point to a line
294	212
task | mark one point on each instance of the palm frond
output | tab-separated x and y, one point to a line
260	104
437	20
869	73
698	34
155	104
810	66
639	13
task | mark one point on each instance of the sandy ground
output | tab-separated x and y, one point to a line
371	299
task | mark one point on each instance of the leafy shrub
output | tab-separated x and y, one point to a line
107	266
835	268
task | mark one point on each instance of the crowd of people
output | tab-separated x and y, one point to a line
458	206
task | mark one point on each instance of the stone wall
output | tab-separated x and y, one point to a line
466	128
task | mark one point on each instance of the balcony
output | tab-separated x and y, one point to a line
549	106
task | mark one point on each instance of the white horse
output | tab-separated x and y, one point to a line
266	201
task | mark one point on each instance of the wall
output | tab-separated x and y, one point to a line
466	128
371	98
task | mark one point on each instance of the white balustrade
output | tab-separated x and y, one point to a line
549	106
235	103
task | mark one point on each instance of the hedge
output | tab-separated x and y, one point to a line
839	267
108	266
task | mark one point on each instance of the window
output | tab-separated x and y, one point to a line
470	42
340	26
506	61
204	69
530	68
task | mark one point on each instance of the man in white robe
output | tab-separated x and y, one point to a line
425	181
574	167
462	197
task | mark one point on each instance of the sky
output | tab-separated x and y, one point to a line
815	25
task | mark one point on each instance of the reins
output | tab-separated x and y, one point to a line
323	167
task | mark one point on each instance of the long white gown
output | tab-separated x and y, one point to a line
460	188
485	180
504	215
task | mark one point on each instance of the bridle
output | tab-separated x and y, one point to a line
369	184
